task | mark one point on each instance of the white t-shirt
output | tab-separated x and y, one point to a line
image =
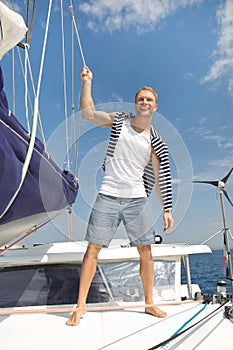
124	171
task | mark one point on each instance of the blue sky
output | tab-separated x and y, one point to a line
184	50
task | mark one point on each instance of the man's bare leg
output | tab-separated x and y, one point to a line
87	273
147	276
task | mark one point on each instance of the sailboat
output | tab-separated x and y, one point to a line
39	282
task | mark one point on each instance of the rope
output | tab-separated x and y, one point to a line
91	309
77	33
185	330
43	50
187	322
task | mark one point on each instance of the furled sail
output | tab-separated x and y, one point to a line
12	29
45	189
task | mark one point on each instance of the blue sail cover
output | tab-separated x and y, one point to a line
45	188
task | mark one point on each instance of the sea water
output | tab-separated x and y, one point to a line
207	270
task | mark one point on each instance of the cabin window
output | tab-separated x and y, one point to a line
125	283
46	285
58	283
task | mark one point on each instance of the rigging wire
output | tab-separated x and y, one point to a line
30	231
34	93
26	87
73	137
64	86
39	116
13	73
13	80
76	135
70	226
71	134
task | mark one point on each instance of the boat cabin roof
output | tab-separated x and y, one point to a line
119	250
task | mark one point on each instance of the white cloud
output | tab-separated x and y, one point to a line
225	162
223	55
144	15
216	169
216	138
188	75
203	120
222	141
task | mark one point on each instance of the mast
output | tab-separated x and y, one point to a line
225	230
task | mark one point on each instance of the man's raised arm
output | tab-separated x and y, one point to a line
89	112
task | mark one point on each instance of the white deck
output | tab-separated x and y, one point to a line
128	329
125	329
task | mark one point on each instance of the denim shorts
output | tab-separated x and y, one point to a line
108	212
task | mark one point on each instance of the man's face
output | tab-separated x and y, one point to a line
145	103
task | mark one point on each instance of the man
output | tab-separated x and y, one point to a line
133	146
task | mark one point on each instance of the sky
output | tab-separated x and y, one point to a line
184	50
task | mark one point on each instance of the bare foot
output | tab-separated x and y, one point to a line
155	311
75	318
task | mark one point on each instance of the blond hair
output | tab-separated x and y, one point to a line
148	88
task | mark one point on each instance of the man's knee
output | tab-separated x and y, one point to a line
92	251
145	252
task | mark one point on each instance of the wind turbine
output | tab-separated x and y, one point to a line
226	231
